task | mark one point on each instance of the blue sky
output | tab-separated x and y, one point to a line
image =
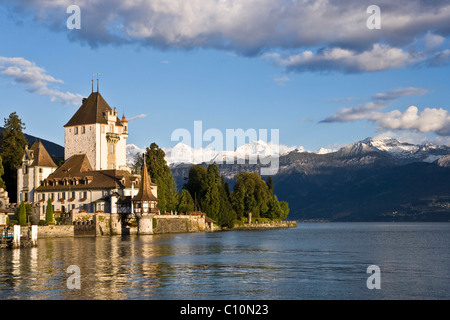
227	78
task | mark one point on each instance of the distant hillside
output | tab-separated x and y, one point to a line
55	150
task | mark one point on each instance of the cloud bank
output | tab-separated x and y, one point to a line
428	120
300	36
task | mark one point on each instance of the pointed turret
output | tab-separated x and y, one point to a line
145	191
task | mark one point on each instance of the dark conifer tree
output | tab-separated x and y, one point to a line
12	148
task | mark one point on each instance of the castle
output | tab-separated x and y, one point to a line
94	176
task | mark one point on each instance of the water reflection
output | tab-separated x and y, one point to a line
323	261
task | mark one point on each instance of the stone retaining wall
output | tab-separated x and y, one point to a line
56	231
106	224
269	225
179	224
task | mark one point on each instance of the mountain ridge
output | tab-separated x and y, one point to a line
55	150
366	180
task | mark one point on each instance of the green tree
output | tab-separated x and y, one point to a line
285	209
250	194
185	202
212	192
22	214
160	174
2	171
13	144
49	212
270	184
216	202
210	202
274	210
196	184
227	215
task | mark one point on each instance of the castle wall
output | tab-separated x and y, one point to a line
28	182
77	141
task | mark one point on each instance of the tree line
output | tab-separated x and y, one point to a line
207	191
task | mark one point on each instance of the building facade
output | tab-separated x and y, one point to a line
96	130
94	176
36	166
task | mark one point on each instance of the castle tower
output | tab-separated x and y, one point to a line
96	130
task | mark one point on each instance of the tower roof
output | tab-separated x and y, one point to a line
91	111
145	191
41	156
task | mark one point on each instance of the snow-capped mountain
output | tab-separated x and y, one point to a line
182	153
403	152
132	150
400	152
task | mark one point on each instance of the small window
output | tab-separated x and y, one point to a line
40	170
111	149
76	130
83	129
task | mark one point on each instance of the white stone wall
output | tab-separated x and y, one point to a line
30	181
80	143
20	181
121	151
93	143
101	151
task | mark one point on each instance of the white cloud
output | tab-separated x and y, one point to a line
35	79
140	116
401	92
433	41
428	120
379	101
378	58
281	80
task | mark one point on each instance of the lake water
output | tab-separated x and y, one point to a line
312	261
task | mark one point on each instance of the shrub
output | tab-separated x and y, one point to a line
238	222
22	214
263	220
49	213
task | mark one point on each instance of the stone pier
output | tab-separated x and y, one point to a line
145	225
